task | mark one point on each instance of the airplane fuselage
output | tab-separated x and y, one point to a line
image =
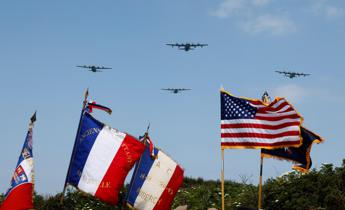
93	69
185	47
291	75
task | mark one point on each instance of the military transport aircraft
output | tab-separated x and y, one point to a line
94	68
292	74
175	90
187	46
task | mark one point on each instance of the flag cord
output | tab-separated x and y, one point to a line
260	181
75	143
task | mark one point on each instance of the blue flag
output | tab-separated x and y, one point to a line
299	154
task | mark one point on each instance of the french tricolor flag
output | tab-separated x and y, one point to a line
20	194
155	182
102	158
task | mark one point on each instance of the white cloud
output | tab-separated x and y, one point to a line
228	8
237	7
293	93
250	16
297	95
322	8
275	25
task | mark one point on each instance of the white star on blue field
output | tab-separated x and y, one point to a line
248	40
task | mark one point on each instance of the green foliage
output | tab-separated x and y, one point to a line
323	189
199	194
72	200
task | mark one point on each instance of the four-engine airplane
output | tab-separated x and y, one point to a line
175	90
187	46
94	68
292	74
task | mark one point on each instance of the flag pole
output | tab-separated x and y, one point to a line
31	126
266	99
222	170
222	180
86	94
144	141
32	121
260	181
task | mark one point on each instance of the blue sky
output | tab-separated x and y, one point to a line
42	42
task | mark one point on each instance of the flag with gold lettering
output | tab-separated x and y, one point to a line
300	154
102	158
155	182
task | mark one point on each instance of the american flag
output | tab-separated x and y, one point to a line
250	123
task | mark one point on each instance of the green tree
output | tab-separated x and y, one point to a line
323	189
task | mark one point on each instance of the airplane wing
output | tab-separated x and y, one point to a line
285	72
198	45
102	67
173	45
302	74
169	89
280	72
183	89
84	66
202	45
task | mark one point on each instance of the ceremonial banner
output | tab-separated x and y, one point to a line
102	159
20	194
155	182
250	123
299	155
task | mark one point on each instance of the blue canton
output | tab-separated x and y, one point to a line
236	108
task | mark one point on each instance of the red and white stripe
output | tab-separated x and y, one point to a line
274	125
